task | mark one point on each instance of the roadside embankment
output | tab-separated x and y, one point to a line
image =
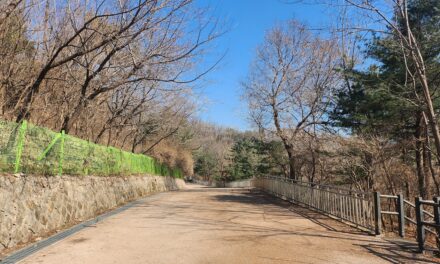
32	207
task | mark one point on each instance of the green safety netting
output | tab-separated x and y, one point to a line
36	150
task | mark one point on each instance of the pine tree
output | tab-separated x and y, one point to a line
384	100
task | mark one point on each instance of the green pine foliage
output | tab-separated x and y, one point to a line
382	100
252	157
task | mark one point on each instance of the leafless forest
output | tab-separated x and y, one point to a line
119	73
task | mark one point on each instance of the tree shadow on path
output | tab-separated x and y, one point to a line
389	249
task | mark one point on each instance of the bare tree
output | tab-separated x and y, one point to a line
7	8
118	72
290	84
93	42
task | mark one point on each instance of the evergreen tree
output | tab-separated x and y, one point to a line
384	100
253	157
245	159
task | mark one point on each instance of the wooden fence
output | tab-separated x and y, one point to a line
360	209
351	206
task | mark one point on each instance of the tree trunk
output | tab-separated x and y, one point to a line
313	174
290	154
426	171
428	153
371	181
419	62
287	145
420	165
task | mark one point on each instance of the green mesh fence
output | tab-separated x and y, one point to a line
35	150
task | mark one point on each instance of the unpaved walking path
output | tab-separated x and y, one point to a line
204	225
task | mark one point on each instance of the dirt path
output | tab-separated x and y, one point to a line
203	225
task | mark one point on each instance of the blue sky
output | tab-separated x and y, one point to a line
248	21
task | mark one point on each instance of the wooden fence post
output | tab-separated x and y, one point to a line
377	214
420	227
401	211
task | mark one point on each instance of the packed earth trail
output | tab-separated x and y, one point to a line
208	225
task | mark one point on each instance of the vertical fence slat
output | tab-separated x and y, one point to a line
347	205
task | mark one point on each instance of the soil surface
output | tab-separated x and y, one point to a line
208	225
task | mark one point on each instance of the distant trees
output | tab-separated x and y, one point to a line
225	154
290	83
252	157
245	159
212	149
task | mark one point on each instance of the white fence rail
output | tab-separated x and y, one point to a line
351	206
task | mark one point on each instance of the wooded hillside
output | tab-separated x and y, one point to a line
118	73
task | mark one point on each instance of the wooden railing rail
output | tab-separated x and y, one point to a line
347	205
362	209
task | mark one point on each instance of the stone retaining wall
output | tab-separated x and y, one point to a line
32	207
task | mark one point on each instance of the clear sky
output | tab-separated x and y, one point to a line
248	21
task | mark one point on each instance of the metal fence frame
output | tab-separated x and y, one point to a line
30	149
